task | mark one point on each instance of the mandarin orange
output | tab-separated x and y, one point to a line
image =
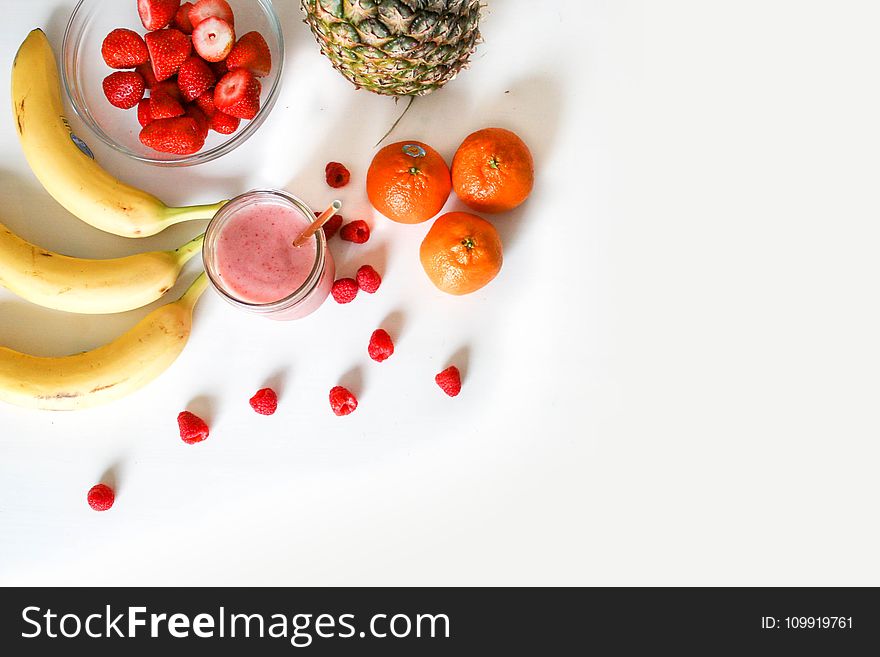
461	253
408	182
493	170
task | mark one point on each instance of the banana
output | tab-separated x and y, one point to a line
104	374
67	172
88	286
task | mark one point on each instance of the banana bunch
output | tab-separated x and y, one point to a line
104	374
70	175
82	285
85	286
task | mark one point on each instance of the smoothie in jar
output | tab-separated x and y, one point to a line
251	260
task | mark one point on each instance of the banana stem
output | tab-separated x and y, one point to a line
188	250
195	290
191	213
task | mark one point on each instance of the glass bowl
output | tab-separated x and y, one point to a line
83	69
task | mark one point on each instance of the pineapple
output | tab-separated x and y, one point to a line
396	47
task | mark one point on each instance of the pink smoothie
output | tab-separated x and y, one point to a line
255	256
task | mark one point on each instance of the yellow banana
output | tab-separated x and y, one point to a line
104	374
71	176
89	286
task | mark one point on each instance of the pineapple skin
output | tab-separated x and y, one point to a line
396	47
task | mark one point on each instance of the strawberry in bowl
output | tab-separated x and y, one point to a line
183	42
167	59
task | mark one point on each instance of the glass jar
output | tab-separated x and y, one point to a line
314	265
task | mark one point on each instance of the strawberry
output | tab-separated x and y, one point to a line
180	136
223	123
181	18
156	14
144	115
124	49
211	8
206	103
146	72
124	89
220	69
194	78
168	50
170	87
163	105
197	115
213	39
251	52
238	94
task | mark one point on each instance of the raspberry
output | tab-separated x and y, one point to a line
265	402
449	381
337	175
381	346
101	497
368	279
344	290
342	401
332	226
355	231
193	429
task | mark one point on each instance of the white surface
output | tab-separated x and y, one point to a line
674	380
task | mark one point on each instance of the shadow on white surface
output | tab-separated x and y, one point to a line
540	99
114	476
277	381
309	180
224	186
461	358
394	323
430	118
30	212
353	379
39	331
295	40
55	26
375	255
205	406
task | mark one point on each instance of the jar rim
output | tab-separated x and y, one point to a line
223	214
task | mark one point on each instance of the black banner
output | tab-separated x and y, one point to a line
440	621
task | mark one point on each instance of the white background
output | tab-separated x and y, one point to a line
673	381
